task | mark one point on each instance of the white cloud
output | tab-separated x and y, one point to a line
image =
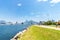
19	4
54	1
42	0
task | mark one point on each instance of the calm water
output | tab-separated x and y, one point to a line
8	31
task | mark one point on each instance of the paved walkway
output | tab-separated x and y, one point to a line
48	27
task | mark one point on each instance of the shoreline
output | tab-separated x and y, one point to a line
19	33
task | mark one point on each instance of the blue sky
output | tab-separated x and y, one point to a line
37	10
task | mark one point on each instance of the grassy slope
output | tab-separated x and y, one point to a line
37	33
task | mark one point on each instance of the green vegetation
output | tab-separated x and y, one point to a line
38	33
50	22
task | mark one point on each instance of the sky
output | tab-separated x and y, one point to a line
22	10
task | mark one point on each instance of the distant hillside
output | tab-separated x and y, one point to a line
37	33
30	22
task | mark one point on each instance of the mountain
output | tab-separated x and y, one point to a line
2	22
30	22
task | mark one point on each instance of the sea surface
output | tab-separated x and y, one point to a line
9	31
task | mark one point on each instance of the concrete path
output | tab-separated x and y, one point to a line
48	27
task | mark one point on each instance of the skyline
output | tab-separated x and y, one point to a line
37	10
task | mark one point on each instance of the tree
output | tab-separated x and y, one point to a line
50	22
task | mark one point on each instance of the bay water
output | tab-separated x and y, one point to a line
9	31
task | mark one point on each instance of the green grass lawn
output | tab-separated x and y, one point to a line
38	33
